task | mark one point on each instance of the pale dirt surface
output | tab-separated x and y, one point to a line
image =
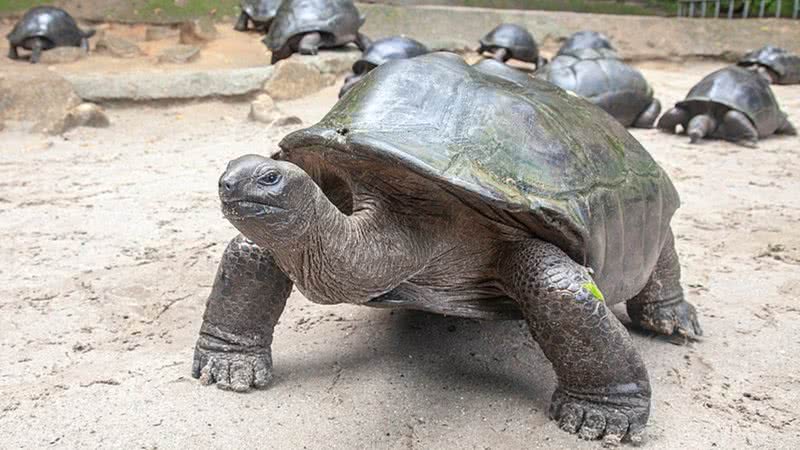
109	241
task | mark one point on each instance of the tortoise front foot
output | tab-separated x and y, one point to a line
613	417
231	366
667	318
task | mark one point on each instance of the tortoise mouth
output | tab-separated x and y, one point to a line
239	210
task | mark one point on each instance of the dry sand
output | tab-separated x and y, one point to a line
109	241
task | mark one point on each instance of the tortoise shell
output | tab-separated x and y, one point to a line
524	153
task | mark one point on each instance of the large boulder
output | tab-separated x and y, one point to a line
35	95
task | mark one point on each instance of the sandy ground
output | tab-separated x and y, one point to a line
109	241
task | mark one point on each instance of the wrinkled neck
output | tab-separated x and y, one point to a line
354	258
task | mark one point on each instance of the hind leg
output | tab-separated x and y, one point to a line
241	24
738	128
787	128
672	118
309	44
234	349
85	45
660	306
12	52
362	41
648	117
36	50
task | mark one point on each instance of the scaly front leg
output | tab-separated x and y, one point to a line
603	389
235	345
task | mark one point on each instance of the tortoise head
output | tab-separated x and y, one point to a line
269	201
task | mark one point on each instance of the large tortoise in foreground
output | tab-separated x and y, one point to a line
436	186
731	103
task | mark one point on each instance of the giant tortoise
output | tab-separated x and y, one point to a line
600	76
731	103
585	39
43	28
258	12
773	63
305	26
379	52
436	186
509	41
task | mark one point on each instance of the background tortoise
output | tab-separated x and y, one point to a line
507	41
305	26
601	77
585	39
379	52
43	28
435	186
259	12
732	103
774	63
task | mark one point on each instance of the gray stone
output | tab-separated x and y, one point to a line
294	79
287	121
263	110
179	54
458	46
61	55
117	47
158	32
198	31
138	86
335	62
85	115
35	95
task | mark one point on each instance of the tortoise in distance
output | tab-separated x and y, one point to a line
259	13
585	39
305	26
43	28
731	103
379	52
509	41
775	64
435	186
598	75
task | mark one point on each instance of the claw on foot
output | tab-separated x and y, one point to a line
678	319
612	418
232	370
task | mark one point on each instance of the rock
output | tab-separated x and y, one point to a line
198	31
35	95
159	32
293	79
287	121
85	115
179	54
335	61
61	55
169	85
264	110
458	46
117	47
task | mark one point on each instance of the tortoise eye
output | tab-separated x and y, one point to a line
270	178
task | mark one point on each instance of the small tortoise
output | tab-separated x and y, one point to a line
435	186
305	26
585	39
43	28
379	52
601	77
258	12
732	103
775	64
507	41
